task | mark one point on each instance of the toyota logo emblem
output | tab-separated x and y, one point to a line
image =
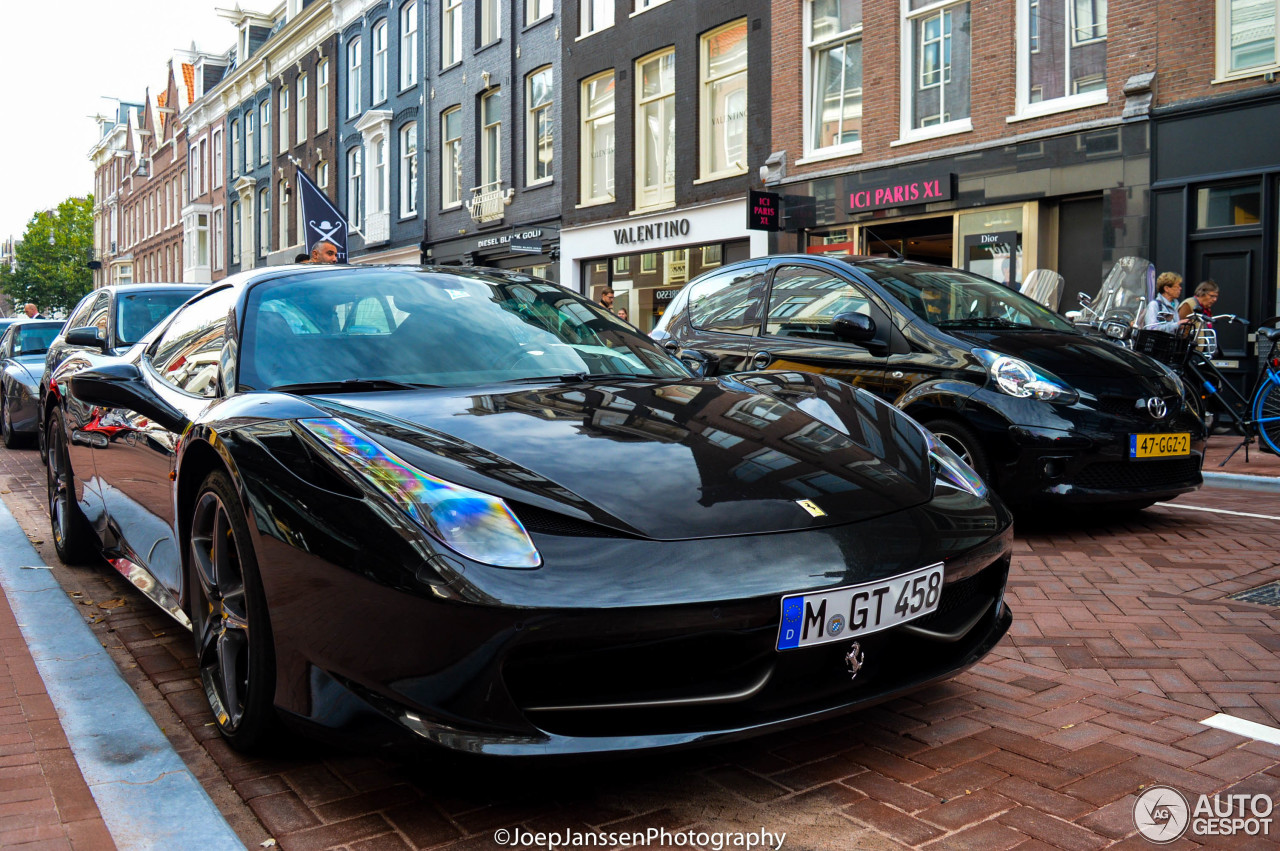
1156	408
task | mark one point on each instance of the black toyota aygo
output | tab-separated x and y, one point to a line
1045	414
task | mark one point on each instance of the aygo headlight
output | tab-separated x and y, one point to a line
474	524
1015	377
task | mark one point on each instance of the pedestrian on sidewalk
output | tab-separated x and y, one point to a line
1162	312
32	311
1206	295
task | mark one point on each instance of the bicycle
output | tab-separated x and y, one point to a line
1256	417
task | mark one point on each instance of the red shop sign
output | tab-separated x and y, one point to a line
901	194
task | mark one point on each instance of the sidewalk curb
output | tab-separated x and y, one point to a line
1239	481
145	793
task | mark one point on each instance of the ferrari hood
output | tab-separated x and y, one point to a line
663	459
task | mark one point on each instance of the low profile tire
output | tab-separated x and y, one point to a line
73	537
232	631
11	440
961	440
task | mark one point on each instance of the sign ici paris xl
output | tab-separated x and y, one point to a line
901	193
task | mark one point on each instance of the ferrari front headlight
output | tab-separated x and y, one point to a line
949	469
474	524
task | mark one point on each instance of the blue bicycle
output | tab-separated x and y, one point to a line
1257	416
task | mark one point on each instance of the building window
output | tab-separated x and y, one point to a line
217	158
1062	53
194	168
1246	36
937	81
202	240
596	15
1228	206
491	138
217	239
283	241
322	175
322	96
451	33
302	108
264	221
381	175
724	101
597	139
835	74
353	78
355	189
264	112
540	128
408	170
641	5
408	46
284	119
451	158
249	152
656	130
536	10
380	62
490	21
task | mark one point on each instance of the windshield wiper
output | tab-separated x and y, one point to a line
978	322
580	378
349	385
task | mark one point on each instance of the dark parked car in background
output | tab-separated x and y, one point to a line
1044	413
22	349
381	498
109	320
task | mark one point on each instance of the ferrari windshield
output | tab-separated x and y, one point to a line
950	298
379	327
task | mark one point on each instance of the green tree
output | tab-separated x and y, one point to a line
52	269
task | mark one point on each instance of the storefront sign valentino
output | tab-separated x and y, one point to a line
901	194
634	234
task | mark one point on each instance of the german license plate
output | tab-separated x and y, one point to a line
1159	445
857	610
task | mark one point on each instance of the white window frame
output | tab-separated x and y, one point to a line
595	15
533	139
264	221
284	118
586	135
282	241
490	22
322	174
381	176
1026	107
450	32
812	88
664	195
536	10
217	158
907	133
646	5
353	77
249	134
215	239
303	93
264	116
408	45
490	146
450	161
409	170
379	37
322	96
355	188
1222	41
706	112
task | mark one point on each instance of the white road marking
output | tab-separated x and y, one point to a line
1243	727
1217	510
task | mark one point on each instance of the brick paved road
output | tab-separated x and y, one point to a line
1123	641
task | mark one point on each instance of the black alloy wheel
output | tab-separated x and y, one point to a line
6	425
229	618
962	441
73	537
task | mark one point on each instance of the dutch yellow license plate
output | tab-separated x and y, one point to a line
1159	445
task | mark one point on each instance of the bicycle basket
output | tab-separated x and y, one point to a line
1173	349
1206	341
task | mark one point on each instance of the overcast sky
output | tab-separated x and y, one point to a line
62	62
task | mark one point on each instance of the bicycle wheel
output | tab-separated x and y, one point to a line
1266	412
